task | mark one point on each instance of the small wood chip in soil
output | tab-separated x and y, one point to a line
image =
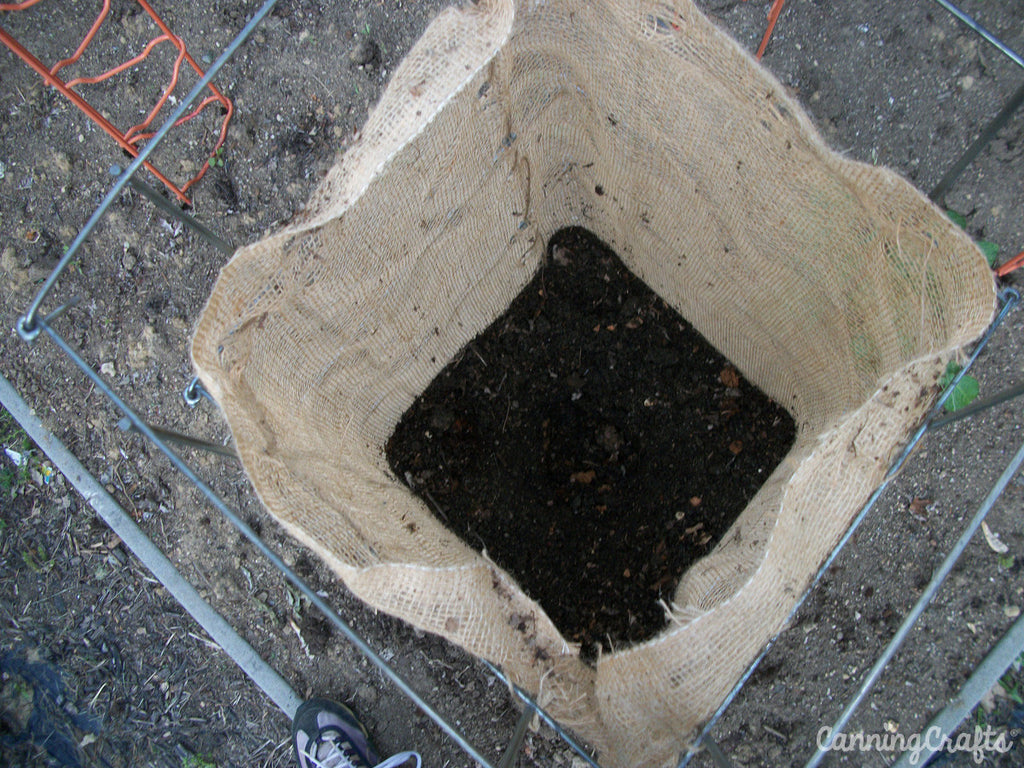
593	442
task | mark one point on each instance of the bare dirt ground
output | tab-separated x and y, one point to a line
98	665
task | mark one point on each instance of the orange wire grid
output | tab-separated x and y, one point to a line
131	139
773	16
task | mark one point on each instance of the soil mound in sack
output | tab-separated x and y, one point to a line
592	444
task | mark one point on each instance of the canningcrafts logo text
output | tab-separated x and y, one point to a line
980	743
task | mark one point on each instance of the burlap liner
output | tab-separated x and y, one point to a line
835	287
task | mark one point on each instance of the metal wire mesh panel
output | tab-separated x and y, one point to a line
33	328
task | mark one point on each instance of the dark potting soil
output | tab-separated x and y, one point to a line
593	443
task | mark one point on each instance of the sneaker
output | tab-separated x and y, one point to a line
328	735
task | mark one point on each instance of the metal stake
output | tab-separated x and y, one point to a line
511	755
717	755
926	597
979	405
989	133
978	684
171	209
246	530
125	425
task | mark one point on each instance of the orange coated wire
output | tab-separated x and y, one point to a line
85	41
226	103
183	119
135	135
18	6
229	107
773	16
162	100
120	67
83	105
1015	263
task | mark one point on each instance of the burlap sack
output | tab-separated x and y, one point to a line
834	286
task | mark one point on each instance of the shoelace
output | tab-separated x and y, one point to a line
330	752
339	756
400	759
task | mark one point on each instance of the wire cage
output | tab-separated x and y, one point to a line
36	322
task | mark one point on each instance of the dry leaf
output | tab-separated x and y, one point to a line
988	699
919	508
584	478
993	540
730	377
736	446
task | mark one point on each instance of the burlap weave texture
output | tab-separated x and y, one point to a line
835	287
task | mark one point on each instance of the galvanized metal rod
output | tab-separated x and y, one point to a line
548	719
1010	298
28	326
998	122
926	597
978	405
985	676
125	425
171	209
512	750
249	661
717	755
965	18
218	503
